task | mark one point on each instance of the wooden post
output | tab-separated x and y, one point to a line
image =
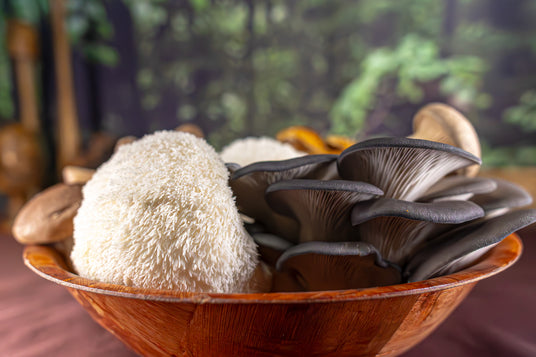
68	129
22	43
21	158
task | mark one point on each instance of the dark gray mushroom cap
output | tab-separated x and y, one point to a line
232	167
250	182
461	247
403	168
270	246
321	207
446	212
399	228
458	188
315	266
506	196
308	166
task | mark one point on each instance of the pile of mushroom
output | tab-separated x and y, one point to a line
384	211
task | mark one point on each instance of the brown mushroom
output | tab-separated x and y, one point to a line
123	141
442	123
76	174
48	216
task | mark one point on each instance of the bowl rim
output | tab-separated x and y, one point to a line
48	263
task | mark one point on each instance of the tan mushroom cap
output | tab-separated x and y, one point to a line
124	141
76	174
192	129
442	123
48	216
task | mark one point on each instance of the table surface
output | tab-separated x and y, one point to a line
39	318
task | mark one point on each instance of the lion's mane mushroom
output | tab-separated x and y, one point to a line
159	214
399	228
253	149
322	208
460	247
442	123
403	168
314	266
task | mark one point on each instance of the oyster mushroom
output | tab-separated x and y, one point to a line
442	123
399	228
461	247
321	207
270	246
403	168
506	196
315	266
458	188
250	182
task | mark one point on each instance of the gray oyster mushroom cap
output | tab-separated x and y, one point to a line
461	247
316	266
399	228
458	188
448	212
232	167
250	182
506	196
403	168
322	208
270	246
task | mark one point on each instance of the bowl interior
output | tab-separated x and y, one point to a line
49	263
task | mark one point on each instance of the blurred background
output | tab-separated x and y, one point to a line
100	70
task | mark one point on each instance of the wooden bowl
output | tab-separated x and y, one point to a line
382	321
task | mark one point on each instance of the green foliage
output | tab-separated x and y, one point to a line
508	156
524	113
240	68
415	61
89	29
6	102
29	11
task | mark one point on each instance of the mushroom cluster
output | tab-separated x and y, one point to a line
384	211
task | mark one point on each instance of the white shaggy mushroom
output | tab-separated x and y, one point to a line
252	149
160	214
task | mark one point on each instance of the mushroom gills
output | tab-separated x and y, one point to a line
403	168
270	247
250	182
505	197
461	247
458	188
399	228
317	266
322	208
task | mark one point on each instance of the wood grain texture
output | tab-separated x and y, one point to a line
382	321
